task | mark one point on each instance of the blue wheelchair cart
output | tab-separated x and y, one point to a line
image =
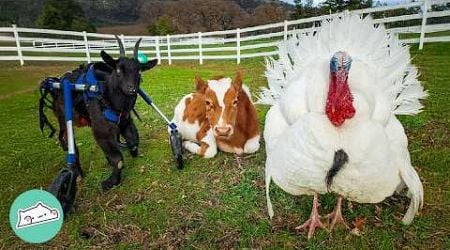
64	186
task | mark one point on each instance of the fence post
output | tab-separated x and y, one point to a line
200	52
86	46
169	56
122	38
158	52
424	24
285	29
19	49
238	45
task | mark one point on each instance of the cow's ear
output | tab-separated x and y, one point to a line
237	82
108	59
200	84
148	65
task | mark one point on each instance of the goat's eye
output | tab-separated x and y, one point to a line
118	71
208	103
235	101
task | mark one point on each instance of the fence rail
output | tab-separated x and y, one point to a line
417	22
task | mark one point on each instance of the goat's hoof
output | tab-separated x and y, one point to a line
108	184
134	152
80	173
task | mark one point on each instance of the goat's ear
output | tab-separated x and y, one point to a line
237	82
108	59
200	85
148	65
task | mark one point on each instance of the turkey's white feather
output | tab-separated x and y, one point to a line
364	41
301	141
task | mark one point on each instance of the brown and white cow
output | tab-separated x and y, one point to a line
219	115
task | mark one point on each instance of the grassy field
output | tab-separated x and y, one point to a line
211	203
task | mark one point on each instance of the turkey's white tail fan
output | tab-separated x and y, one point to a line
366	42
415	191
269	202
408	94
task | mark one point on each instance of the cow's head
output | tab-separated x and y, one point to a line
126	73
221	101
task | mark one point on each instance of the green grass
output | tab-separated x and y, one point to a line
211	203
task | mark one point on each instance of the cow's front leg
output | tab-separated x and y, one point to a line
115	159
206	147
129	131
252	145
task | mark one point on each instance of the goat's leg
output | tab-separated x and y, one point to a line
77	166
115	160
131	135
62	135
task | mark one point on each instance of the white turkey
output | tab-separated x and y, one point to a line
332	124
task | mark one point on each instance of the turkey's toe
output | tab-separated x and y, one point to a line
311	225
336	216
336	219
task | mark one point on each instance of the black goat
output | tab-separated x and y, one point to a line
108	113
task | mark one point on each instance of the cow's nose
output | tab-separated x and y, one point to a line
223	131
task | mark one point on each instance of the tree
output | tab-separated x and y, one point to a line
298	13
161	27
269	13
341	5
52	18
63	15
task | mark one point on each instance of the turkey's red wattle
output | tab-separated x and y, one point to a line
339	106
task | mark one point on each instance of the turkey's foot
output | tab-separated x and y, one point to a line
336	216
314	220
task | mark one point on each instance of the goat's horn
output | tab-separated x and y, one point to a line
121	48
136	48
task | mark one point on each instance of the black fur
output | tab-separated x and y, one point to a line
121	79
340	159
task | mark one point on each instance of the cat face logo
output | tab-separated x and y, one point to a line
36	215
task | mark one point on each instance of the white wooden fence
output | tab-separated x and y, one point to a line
421	23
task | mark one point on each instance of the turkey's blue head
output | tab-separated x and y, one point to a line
339	106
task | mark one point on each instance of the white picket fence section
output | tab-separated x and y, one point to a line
29	44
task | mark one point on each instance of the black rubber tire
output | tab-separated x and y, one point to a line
180	163
64	188
177	148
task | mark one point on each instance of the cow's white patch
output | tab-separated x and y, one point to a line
252	145
191	147
209	139
187	130
220	87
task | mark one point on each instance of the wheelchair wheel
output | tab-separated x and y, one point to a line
176	144
64	188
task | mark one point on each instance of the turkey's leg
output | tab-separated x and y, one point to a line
336	215
314	219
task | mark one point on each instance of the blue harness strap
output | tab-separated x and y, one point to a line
90	80
111	116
